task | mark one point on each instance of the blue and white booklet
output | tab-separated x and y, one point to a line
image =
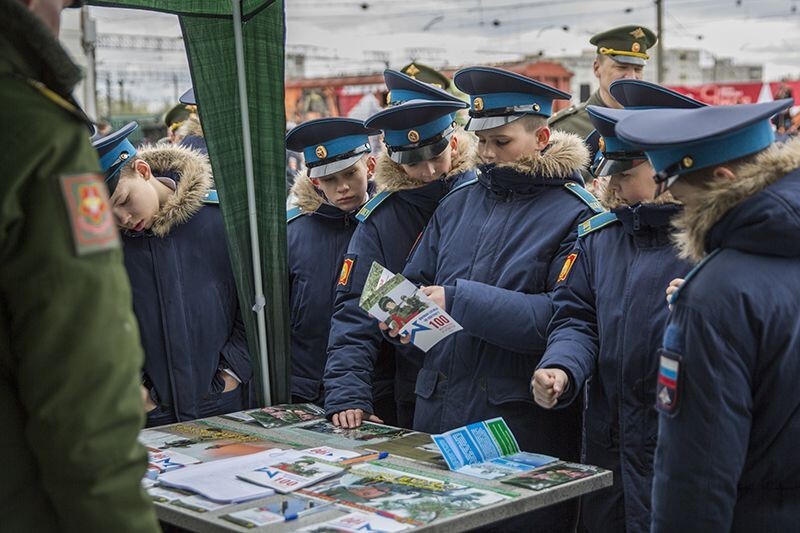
487	450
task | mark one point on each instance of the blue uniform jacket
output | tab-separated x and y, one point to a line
317	237
184	296
386	234
727	457
608	323
497	247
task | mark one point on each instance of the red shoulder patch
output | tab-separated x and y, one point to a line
567	267
90	217
347	268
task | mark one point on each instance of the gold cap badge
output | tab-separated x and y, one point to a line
601	143
477	104
321	152
638	33
413	136
412	70
687	162
635	47
389	97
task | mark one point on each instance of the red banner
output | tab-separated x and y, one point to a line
735	93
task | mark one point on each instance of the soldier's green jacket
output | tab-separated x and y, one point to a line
69	350
575	119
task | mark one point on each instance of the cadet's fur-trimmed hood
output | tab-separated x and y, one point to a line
389	176
192	173
190	126
769	219
611	201
306	196
565	155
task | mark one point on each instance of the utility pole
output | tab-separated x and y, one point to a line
108	96
88	41
660	43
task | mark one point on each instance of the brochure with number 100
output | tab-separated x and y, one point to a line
396	302
487	450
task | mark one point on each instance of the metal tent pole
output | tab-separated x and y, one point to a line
258	305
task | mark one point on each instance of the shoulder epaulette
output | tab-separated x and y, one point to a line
585	196
211	197
293	213
460	186
367	209
564	113
692	274
596	222
59	100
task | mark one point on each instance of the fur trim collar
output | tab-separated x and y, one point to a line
190	126
611	201
696	221
565	155
192	173
389	176
306	196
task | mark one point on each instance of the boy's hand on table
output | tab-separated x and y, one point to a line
352	418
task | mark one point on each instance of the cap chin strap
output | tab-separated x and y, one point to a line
363	149
612	52
665	178
505	111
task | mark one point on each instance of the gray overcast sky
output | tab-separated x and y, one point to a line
341	36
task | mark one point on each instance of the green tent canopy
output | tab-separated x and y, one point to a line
236	58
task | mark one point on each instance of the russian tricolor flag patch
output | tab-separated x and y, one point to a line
667	389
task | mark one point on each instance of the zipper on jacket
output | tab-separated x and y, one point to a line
637	223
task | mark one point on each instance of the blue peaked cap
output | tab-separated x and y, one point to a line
115	151
680	141
403	88
330	145
617	155
416	130
498	96
188	98
640	94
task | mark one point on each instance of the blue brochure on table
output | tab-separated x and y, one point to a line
487	450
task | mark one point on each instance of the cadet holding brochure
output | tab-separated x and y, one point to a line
490	256
399	304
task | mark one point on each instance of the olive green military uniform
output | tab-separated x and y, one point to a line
575	119
69	350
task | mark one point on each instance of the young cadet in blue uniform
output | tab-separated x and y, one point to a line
610	317
197	362
490	255
335	185
426	154
728	372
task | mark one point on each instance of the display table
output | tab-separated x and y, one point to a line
517	500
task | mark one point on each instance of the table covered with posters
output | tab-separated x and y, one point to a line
376	477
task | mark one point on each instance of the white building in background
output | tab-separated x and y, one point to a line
682	66
70	37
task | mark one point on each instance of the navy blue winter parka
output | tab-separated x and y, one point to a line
317	236
727	456
497	247
608	324
386	234
184	296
